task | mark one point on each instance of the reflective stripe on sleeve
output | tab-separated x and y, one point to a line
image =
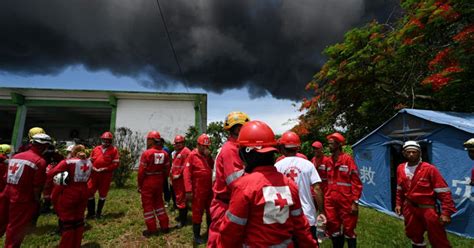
441	190
236	219
296	212
116	160
232	177
344	184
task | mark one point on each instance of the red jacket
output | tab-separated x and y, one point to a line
153	161
265	210
426	186
108	158
198	172
301	155
321	165
3	171
229	167
343	177
79	170
179	162
26	176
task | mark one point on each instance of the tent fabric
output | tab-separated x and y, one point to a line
444	134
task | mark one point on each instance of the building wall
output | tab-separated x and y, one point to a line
168	117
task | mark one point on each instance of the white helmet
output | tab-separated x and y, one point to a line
411	144
61	178
41	138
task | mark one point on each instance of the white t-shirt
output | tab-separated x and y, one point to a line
304	175
410	170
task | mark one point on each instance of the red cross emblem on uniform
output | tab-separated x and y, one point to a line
84	167
280	201
14	168
292	174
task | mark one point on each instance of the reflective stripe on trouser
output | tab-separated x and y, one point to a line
152	203
338	212
217	210
180	192
14	220
99	182
419	220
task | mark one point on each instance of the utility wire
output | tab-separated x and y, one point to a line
171	44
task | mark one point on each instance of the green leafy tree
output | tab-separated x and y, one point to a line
216	132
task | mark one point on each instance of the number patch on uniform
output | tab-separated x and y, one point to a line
277	204
159	158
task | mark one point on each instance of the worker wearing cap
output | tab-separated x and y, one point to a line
105	159
228	168
321	162
198	183
469	145
419	186
152	171
20	198
342	195
179	156
5	151
265	208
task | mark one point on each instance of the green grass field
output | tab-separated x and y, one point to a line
122	226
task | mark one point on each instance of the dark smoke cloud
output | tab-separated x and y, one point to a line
269	46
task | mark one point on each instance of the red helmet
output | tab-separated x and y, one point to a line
290	139
107	135
317	145
153	135
337	137
204	140
257	134
178	139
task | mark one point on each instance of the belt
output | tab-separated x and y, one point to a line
153	173
417	205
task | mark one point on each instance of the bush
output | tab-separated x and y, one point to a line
130	145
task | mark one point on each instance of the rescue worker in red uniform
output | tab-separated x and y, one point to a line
5	150
228	167
280	146
419	186
320	163
342	196
52	158
179	156
264	209
198	184
105	159
469	145
152	171
70	195
20	198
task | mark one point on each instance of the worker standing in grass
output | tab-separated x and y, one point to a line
179	156
198	184
105	159
228	167
5	150
469	145
320	162
264	208
419	186
152	171
70	195
342	195
20	198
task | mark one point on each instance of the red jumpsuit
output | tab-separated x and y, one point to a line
102	158
228	167
264	211
321	165
417	197
70	201
177	169
3	171
18	203
344	188
198	180
301	155
153	170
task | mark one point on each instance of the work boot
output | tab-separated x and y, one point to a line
197	234
148	234
91	209
351	243
46	207
100	206
183	214
338	242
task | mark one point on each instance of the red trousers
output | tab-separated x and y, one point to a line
48	189
420	220
338	212
202	197
152	202
70	204
99	181
180	192
15	218
217	211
